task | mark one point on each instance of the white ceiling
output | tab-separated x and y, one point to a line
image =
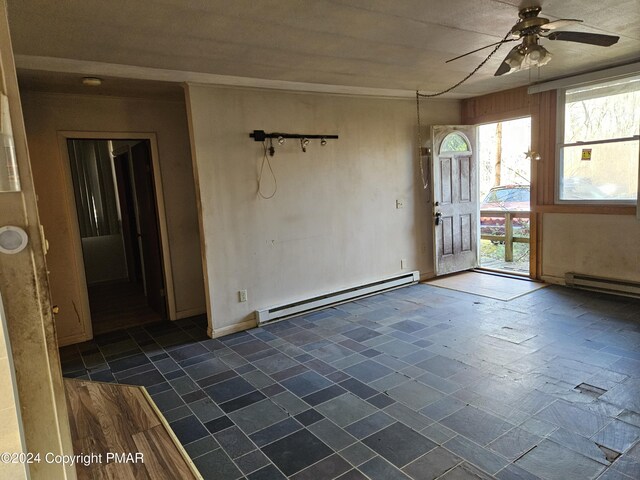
376	44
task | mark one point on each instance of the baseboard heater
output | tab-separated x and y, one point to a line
335	298
602	284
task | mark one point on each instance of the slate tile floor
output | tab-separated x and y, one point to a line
416	383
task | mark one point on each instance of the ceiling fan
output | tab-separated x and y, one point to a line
530	28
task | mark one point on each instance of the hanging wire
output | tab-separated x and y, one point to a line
425	182
265	158
431	95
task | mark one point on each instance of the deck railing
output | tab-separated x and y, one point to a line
508	238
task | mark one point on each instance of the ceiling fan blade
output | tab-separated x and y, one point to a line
585	37
481	48
505	67
502	69
563	22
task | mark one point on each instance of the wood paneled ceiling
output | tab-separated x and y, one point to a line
386	44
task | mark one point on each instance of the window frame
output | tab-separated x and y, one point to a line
560	125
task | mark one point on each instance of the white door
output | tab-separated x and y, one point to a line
455	198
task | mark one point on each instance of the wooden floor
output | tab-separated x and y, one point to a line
123	419
487	285
119	305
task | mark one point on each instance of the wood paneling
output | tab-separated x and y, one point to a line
497	106
123	419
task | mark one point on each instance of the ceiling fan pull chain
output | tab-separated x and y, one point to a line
431	95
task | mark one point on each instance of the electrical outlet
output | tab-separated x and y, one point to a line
403	263
242	296
399	203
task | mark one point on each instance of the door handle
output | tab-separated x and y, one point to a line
438	216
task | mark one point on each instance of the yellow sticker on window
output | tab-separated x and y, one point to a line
586	154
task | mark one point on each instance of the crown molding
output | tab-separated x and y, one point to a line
82	67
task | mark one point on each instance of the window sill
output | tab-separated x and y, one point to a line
599	209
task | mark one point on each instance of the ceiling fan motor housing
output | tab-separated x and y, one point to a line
529	22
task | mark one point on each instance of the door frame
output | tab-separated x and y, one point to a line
535	222
84	311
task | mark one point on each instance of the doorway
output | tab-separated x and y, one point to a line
504	195
113	184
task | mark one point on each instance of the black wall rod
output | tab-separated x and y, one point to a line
261	135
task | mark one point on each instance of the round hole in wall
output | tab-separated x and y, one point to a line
12	239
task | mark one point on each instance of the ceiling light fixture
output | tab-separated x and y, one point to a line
92	81
281	140
323	141
527	55
304	143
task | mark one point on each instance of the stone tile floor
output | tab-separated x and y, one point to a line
419	383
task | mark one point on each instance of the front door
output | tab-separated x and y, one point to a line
455	198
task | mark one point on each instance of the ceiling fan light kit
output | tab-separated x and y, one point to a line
522	57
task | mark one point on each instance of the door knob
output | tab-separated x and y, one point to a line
55	309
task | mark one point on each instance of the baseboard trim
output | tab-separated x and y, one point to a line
192	312
427	276
228	330
63	342
553	280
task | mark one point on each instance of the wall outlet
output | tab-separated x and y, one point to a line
242	295
403	263
399	203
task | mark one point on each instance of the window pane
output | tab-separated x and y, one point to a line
604	111
454	142
611	174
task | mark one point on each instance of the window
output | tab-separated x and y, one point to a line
598	132
454	142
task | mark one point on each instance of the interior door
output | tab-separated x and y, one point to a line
125	190
148	227
455	198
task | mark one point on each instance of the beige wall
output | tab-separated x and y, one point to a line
601	245
45	115
333	222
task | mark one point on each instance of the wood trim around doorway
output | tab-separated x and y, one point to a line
78	261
